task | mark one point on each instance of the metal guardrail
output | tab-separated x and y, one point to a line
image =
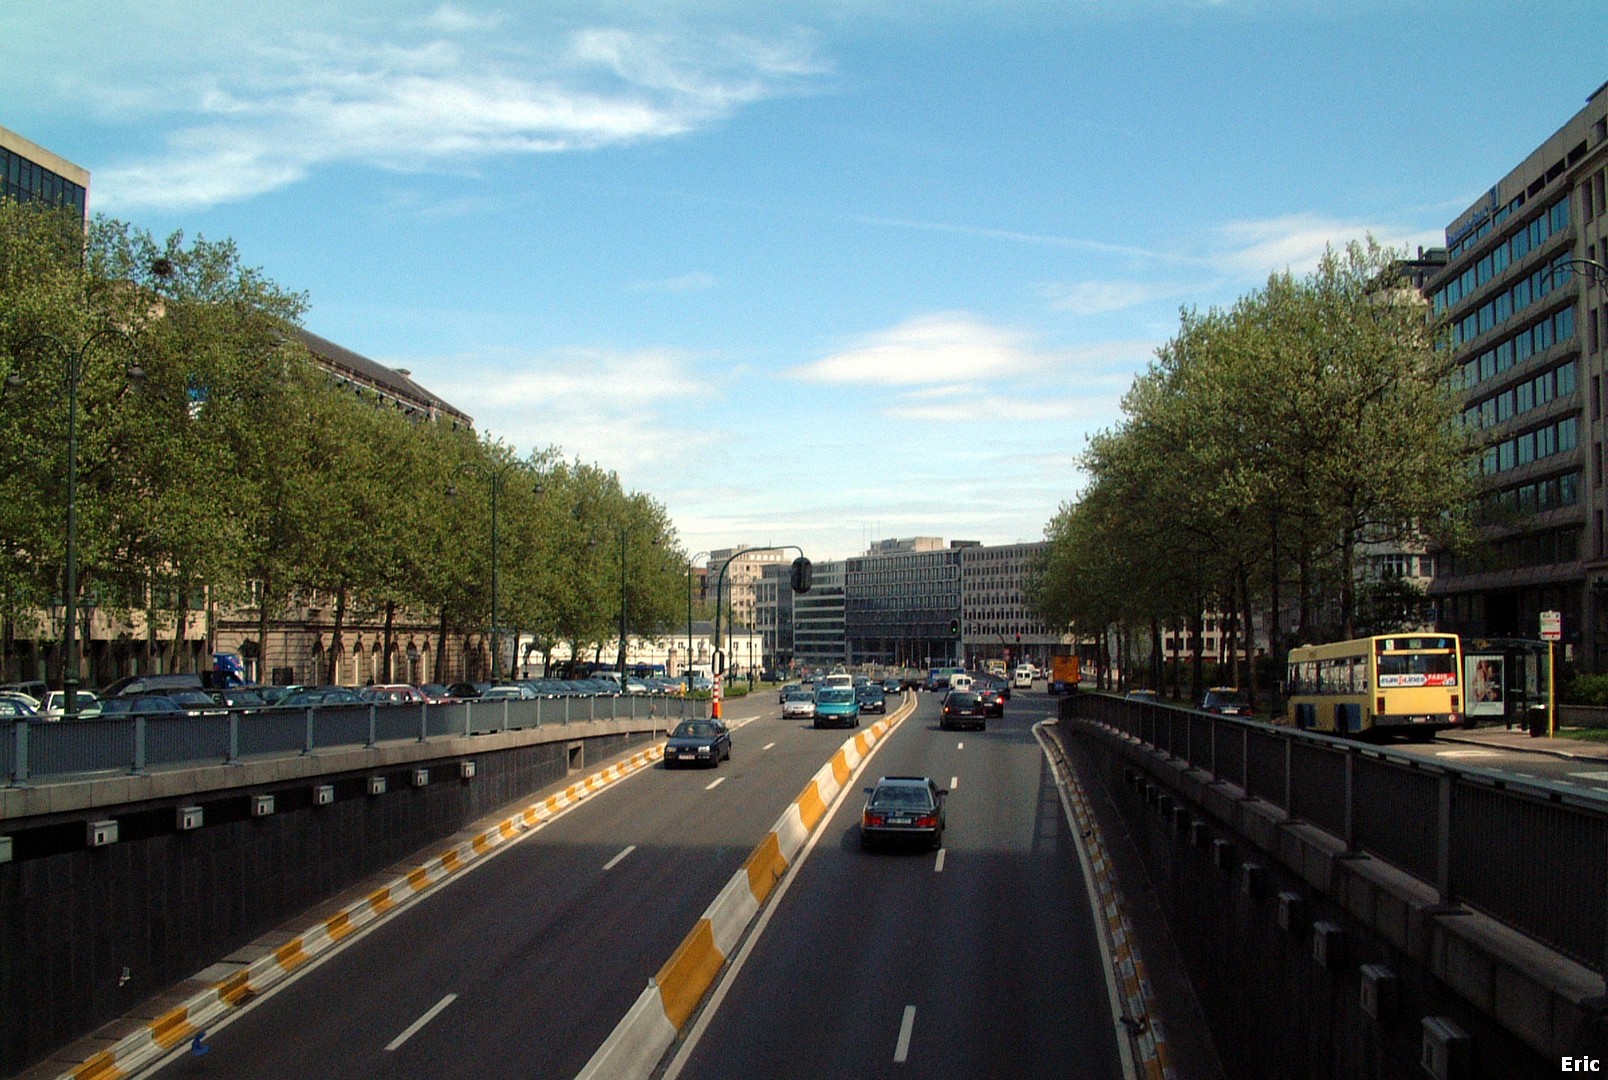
1525	852
36	750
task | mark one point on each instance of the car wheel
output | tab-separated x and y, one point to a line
937	839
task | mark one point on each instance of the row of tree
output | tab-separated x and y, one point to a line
1264	448
217	461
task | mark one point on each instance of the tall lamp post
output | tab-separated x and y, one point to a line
495	476
688	673
74	361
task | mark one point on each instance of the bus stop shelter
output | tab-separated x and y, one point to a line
1509	682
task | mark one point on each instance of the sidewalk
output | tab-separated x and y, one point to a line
1576	749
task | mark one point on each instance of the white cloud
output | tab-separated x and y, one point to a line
1097	297
1251	250
943	348
625	410
274	115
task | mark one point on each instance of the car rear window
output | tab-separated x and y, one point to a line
914	798
963	698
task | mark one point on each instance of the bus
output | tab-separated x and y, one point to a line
1377	687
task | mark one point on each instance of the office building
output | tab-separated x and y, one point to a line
1523	294
817	620
29	172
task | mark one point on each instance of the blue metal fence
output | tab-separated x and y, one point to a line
38	750
1526	852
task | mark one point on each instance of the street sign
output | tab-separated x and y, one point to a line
1552	626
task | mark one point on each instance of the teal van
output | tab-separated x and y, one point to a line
837	705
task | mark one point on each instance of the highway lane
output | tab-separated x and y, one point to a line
544	947
981	963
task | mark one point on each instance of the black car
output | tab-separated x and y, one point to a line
871	698
993	699
903	808
698	742
892	686
964	708
1225	701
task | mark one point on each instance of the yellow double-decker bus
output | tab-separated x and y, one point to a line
1372	688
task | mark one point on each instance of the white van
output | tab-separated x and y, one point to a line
960	681
1022	677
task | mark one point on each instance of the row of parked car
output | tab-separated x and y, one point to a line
194	694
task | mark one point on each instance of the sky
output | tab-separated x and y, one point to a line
805	273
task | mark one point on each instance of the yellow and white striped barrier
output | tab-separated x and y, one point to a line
1133	984
167	1031
658	1016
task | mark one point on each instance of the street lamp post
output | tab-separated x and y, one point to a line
74	360
688	673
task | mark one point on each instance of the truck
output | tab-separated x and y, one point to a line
1065	674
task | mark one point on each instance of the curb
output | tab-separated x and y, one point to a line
1144	1031
1566	755
190	1020
661	1013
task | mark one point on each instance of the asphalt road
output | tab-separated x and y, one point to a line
522	966
886	964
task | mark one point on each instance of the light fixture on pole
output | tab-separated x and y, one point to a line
74	360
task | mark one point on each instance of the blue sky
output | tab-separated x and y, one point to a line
807	273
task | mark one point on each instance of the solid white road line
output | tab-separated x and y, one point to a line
413	1028
902	1050
767	746
612	863
938	864
713	784
1591	775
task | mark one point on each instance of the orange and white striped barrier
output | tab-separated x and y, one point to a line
662	1011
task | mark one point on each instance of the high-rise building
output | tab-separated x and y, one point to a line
1523	293
743	567
29	172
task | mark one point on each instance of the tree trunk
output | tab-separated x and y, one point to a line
1197	643
181	616
1158	659
441	648
1348	587
337	647
389	644
264	672
1249	634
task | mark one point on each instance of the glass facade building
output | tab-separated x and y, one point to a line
29	172
1522	298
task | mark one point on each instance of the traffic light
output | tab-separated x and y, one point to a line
802	572
954	627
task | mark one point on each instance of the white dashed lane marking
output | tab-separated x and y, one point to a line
901	1050
413	1028
612	863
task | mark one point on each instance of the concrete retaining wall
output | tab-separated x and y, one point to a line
87	933
1283	933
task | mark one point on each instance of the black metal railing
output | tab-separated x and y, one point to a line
1526	852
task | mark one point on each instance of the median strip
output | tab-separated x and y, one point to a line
660	1013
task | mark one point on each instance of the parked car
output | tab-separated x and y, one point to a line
871	698
903	808
1141	695
436	693
243	699
1225	701
320	696
273	695
963	708
393	694
507	692
54	705
798	704
141	705
171	681
14	708
26	699
34	688
196	703
703	742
